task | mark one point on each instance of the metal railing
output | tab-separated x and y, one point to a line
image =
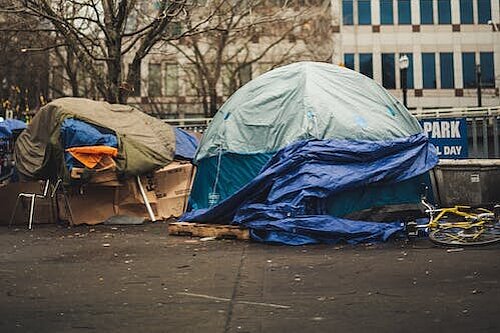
191	124
457	112
483	127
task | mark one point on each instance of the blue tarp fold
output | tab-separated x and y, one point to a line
8	126
185	144
286	202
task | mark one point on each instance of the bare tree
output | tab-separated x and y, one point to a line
23	76
104	35
243	33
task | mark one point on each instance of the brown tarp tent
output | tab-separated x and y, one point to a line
146	148
144	143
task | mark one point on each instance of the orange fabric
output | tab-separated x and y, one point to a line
90	156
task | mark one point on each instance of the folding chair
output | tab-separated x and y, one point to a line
33	196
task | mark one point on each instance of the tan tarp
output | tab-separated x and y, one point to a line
144	143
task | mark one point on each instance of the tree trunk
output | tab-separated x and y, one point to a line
213	101
114	73
133	79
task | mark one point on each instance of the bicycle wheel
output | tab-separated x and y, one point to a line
485	234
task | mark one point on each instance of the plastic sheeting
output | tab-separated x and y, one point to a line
185	144
7	127
77	133
286	202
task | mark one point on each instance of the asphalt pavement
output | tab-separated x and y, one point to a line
140	279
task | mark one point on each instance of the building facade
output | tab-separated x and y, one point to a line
449	44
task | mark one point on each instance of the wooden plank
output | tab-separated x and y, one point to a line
208	230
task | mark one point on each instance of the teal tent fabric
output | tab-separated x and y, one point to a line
236	171
301	101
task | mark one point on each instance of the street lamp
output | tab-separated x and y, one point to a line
404	62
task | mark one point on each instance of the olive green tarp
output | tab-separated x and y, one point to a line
144	143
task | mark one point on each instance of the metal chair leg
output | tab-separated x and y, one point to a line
32	211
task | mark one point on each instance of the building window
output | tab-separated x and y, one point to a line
189	77
349	60
447	70
347	12
426	12
386	12
366	64
245	74
171	80
154	80
466	12
483	11
444	12
404	12
364	12
388	71
487	69
136	89
409	71
429	70
469	69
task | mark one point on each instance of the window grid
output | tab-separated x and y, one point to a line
366	64
429	70
364	12
386	12
347	12
349	60
483	11
447	70
487	69
426	12
388	71
404	12
466	12
444	12
469	69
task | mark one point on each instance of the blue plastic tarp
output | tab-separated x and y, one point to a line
8	126
77	133
286	202
185	144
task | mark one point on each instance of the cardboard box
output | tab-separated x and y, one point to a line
105	175
172	186
167	191
89	205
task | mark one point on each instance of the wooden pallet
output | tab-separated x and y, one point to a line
208	230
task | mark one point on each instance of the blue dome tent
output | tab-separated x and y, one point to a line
321	117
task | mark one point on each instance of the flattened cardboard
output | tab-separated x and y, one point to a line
172	185
167	191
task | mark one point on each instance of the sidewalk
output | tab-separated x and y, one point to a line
139	279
